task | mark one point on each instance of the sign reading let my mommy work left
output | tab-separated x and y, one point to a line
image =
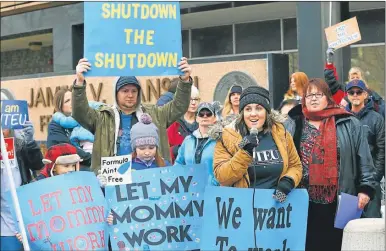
132	38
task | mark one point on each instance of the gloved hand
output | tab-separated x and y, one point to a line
284	187
330	55
248	143
102	179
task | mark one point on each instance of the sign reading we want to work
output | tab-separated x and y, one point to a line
141	39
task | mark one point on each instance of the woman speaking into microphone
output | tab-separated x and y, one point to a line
276	164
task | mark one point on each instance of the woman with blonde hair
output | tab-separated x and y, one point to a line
298	81
232	101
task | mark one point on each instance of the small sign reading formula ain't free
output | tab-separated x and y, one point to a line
117	170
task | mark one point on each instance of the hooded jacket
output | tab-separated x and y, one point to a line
356	166
186	154
165	98
231	163
104	122
374	126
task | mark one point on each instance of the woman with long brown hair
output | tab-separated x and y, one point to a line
298	81
335	158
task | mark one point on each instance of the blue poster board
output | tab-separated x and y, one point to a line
161	210
132	38
14	114
65	212
230	220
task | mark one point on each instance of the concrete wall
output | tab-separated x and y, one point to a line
59	19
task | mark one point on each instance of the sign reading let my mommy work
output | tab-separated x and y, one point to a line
132	38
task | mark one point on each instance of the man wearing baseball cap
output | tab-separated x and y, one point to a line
363	108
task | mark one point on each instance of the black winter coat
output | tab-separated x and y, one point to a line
356	164
374	126
29	157
59	135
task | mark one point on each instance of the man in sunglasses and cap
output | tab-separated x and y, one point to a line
363	108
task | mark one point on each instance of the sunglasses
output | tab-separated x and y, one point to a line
352	93
205	113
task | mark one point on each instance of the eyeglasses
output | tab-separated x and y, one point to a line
316	95
205	113
194	100
352	93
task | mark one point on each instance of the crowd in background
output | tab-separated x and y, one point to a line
327	136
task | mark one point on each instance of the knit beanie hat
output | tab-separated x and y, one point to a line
255	95
59	154
126	80
144	132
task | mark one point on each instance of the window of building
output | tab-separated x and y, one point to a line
371	59
372	25
258	37
185	43
77	44
212	41
293	61
27	54
290	34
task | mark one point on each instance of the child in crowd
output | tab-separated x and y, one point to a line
59	159
145	143
79	137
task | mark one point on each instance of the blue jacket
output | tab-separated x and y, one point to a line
137	164
165	98
186	154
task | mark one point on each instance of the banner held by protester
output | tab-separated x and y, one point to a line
162	210
14	114
65	212
343	34
276	226
132	38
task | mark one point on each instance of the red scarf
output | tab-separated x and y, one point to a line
325	172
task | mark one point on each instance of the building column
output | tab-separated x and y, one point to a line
312	19
62	48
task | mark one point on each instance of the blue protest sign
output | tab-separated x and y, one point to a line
232	224
161	210
65	212
132	38
14	113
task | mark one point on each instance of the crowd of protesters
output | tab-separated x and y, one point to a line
326	136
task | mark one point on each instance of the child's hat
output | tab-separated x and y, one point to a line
144	132
63	154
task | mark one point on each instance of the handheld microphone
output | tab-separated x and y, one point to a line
254	132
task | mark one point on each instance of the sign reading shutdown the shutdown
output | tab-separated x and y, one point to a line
162	210
64	212
276	226
132	38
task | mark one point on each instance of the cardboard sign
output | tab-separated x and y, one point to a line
117	170
232	224
132	38
64	212
343	34
10	145
161	210
14	114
